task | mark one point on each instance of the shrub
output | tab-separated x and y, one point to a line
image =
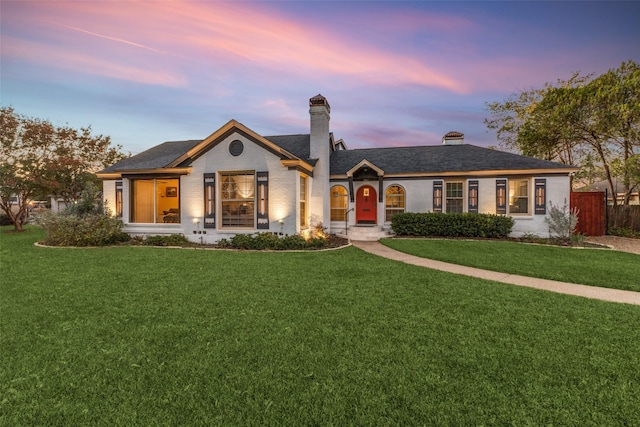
65	229
451	225
242	241
562	221
270	241
5	220
292	242
171	240
89	203
265	241
223	244
623	232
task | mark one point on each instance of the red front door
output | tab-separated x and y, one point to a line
366	205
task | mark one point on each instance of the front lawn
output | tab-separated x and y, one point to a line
148	336
594	267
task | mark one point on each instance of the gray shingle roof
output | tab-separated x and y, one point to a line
162	155
423	159
298	145
435	159
155	157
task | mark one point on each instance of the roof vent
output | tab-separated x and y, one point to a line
453	138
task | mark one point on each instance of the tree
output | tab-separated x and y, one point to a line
591	123
38	159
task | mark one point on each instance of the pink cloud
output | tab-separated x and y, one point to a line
223	33
42	52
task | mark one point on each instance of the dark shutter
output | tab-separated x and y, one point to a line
351	189
540	196
380	189
209	200
473	196
437	196
119	199
501	196
263	200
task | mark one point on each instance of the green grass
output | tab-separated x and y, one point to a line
150	336
594	267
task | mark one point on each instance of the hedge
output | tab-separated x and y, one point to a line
451	225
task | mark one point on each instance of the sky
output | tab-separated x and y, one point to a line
395	73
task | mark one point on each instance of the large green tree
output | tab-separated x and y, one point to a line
38	159
590	122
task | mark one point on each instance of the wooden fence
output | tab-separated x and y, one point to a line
591	212
624	217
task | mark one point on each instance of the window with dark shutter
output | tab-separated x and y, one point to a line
501	196
540	207
263	200
473	196
437	196
209	200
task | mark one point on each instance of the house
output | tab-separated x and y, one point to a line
238	181
634	196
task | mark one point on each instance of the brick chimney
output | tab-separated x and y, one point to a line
453	138
320	148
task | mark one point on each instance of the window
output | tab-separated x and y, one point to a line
304	214
518	196
394	201
338	203
155	200
454	200
237	199
119	199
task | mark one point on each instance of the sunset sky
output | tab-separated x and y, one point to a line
395	73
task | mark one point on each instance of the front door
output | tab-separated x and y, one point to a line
366	205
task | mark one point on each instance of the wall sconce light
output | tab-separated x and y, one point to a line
281	222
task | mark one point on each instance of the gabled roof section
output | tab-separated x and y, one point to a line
365	163
218	136
298	145
176	156
157	157
440	159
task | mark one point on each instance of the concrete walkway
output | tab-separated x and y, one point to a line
605	294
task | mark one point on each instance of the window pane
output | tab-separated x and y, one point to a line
143	201
167	201
454	192
303	201
238	199
394	201
519	196
119	199
338	203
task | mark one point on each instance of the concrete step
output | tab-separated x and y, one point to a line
366	233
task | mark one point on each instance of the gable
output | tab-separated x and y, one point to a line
225	132
176	157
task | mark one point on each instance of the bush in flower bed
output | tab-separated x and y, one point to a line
170	240
93	229
451	225
270	241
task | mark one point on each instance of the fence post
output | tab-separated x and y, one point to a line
606	211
